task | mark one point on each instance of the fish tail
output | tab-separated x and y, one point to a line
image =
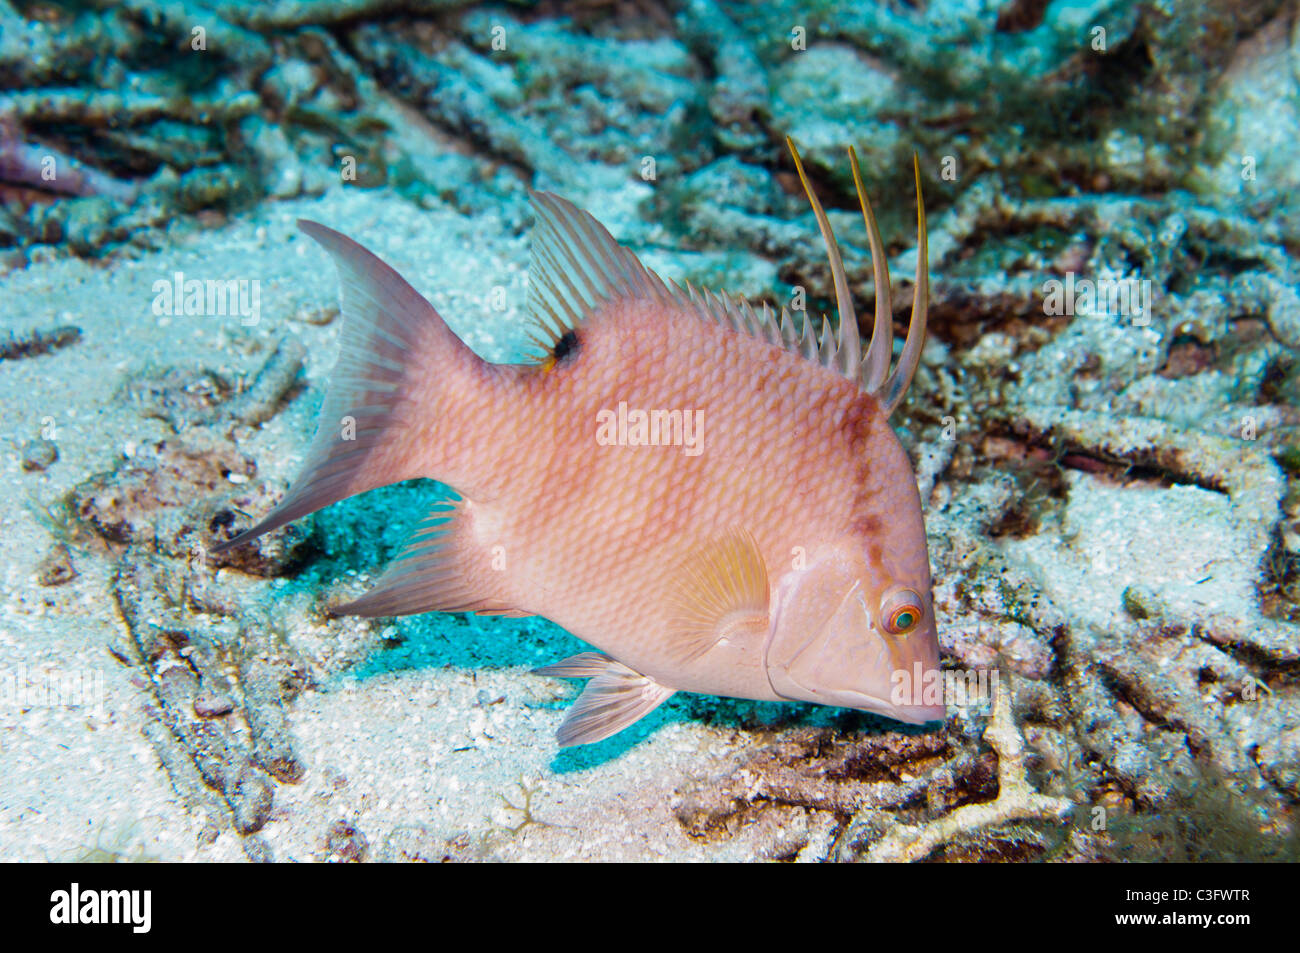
399	366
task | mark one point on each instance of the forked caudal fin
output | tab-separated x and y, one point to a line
397	363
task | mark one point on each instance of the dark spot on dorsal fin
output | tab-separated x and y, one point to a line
566	346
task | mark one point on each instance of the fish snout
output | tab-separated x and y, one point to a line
915	679
836	652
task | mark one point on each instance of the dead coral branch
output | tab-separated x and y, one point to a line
1016	800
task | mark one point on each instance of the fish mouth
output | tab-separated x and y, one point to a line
861	701
911	714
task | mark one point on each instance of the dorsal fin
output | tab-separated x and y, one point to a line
843	353
577	265
848	343
875	363
896	386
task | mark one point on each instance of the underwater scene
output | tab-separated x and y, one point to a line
620	430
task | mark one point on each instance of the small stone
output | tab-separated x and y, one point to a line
323	315
252	801
1139	602
344	843
42	254
39	454
212	705
56	567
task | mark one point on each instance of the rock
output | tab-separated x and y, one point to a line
125	504
856	97
252	801
211	705
1254	121
346	843
56	567
39	454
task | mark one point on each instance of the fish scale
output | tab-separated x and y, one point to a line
779	556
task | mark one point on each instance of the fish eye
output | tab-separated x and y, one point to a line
901	612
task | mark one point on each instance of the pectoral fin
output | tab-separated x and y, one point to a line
721	595
615	697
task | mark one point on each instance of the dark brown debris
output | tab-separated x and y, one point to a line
38	341
56	568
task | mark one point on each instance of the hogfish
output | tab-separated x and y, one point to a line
709	494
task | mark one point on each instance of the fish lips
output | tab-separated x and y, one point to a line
788	687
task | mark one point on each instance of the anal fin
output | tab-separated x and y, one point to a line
434	572
615	697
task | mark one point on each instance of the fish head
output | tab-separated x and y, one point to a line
855	628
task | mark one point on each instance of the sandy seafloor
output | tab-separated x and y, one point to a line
407	748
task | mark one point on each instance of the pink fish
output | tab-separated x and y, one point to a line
707	494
